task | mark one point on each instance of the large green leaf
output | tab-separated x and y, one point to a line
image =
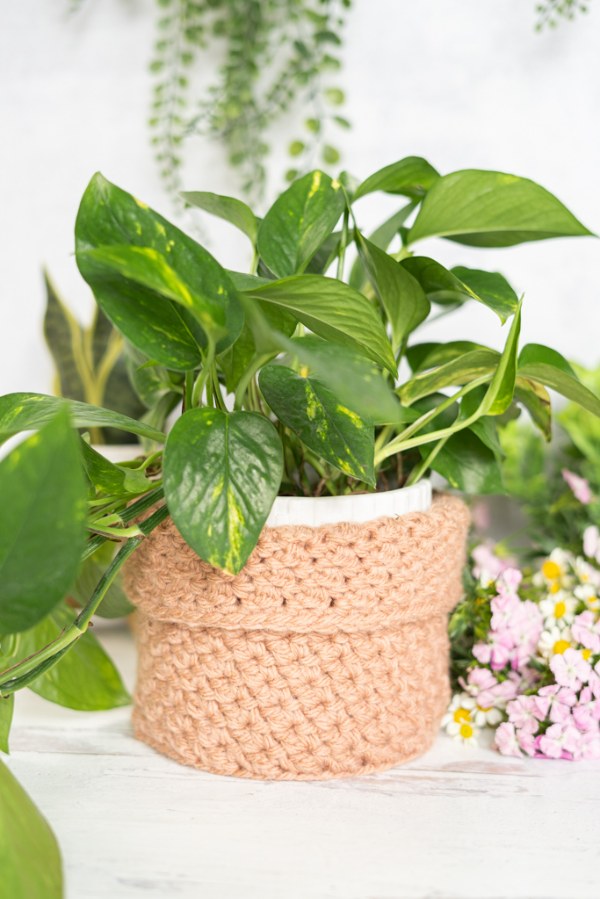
42	523
540	363
84	678
411	177
64	338
29	411
422	356
108	478
29	855
332	310
492	209
222	473
228	208
298	222
536	400
165	330
461	284
355	381
401	296
6	714
334	432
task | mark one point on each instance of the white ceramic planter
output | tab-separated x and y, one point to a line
355	508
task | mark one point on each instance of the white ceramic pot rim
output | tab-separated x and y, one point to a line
355	508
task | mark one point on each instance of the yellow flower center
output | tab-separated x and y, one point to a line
484	709
466	731
559	609
461	715
560	646
551	570
586	653
554	587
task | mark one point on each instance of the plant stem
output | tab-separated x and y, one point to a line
420	469
26	671
343	244
188	390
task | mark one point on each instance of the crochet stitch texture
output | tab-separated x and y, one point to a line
326	656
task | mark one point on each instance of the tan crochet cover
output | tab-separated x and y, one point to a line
327	656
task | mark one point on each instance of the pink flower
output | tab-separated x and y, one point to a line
586	712
589	746
522	713
504	607
591	542
585	630
579	486
561	741
506	739
488	566
527	742
508	582
594	684
554	703
570	669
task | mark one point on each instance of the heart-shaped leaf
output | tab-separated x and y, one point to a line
334	432
222	473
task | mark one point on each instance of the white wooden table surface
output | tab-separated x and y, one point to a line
460	823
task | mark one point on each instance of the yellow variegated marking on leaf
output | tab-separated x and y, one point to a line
335	184
217	489
316	183
137	228
354	418
235	526
140	203
161	229
34	440
170	245
312	405
303	371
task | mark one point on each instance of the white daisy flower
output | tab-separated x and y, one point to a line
554	641
459	719
558	609
486	716
587	593
555	571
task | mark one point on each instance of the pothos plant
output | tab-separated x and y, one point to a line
287	378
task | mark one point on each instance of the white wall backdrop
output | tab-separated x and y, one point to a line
465	83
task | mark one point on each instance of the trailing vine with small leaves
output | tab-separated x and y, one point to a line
551	11
277	54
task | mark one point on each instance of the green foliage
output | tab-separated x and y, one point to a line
90	363
551	11
276	56
29	855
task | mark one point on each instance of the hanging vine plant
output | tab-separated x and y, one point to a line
276	55
550	12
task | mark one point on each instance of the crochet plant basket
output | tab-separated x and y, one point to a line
327	656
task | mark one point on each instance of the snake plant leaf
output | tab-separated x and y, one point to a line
30	411
64	338
334	432
84	678
457	371
332	310
7	706
401	295
492	209
171	335
460	284
410	177
42	523
222	473
542	364
228	208
29	855
298	222
382	238
356	382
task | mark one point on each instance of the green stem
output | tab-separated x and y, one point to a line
26	671
343	244
402	443
188	390
420	469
